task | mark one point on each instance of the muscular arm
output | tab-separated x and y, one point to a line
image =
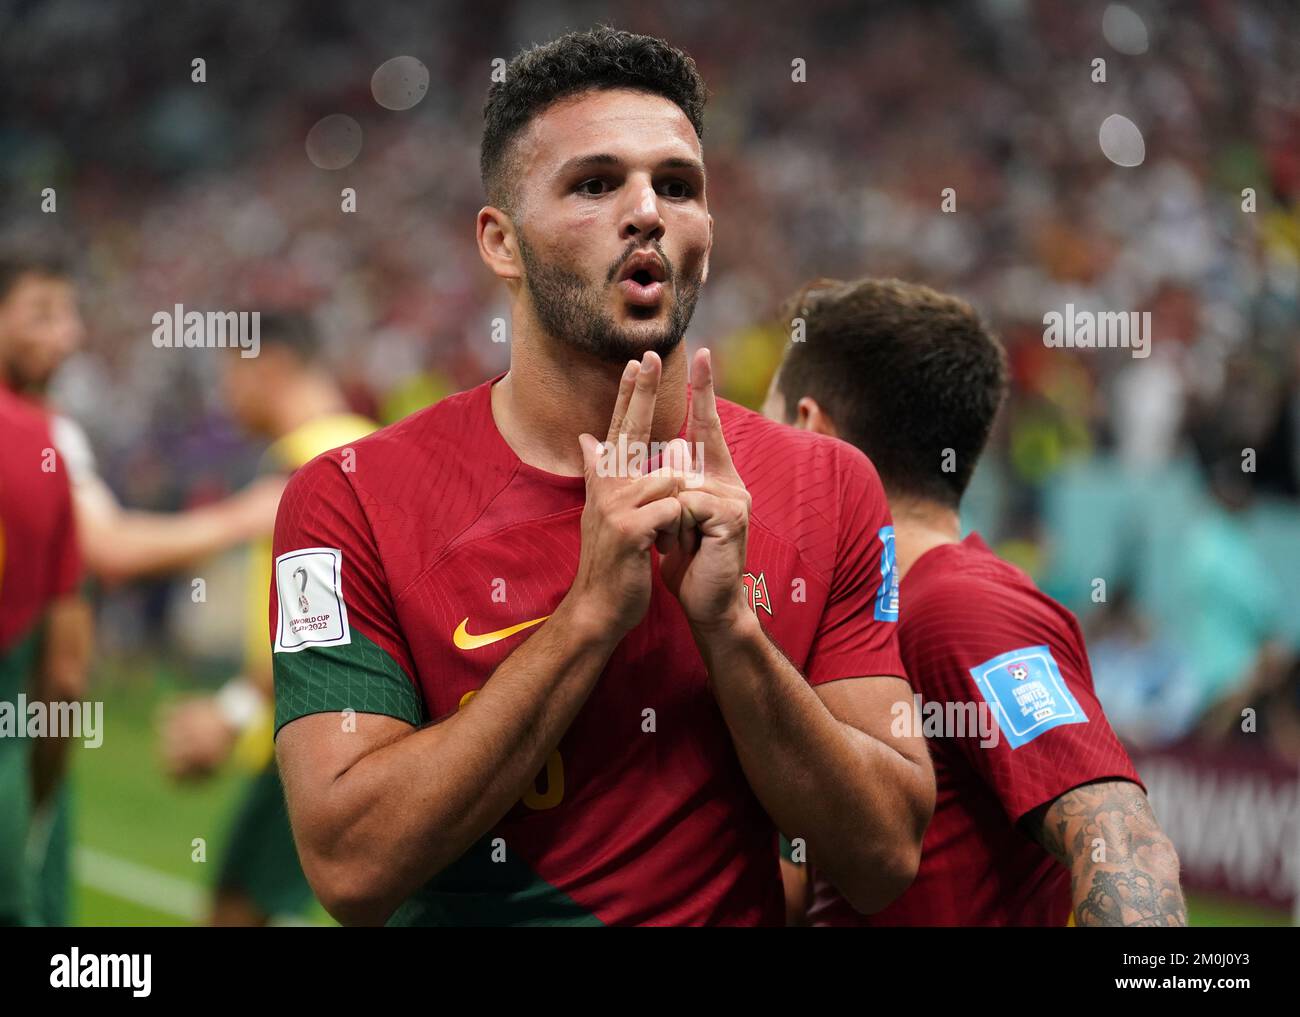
60	678
1123	869
826	765
380	810
118	544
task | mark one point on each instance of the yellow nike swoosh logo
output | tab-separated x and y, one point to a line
464	640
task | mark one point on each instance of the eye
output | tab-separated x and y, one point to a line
676	189
593	187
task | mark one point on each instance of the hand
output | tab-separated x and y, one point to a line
195	738
625	515
705	568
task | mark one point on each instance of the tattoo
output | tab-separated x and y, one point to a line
1123	869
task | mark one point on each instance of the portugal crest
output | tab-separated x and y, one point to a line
756	593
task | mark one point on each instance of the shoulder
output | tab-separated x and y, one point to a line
963	597
815	490
335	430
413	484
417	453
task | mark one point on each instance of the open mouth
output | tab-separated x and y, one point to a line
642	280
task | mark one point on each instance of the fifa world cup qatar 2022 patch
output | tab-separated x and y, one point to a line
309	596
1027	694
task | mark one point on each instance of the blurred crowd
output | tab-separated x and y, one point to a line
1104	466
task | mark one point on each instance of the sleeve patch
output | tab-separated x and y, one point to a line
887	595
1027	694
309	595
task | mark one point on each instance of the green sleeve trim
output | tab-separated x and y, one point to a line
358	676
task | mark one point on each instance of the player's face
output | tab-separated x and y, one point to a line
613	226
246	391
40	328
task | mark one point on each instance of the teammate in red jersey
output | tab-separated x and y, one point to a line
43	651
1038	807
610	656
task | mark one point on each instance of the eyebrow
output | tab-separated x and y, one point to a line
604	160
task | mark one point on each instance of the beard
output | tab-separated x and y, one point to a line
22	377
572	311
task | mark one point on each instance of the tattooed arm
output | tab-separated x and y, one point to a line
1123	869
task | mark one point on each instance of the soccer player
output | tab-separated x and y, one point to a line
40	327
526	676
1039	811
43	624
285	394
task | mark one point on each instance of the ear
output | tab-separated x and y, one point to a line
497	245
704	275
811	417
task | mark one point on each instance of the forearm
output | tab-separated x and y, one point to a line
1135	882
400	814
60	678
132	544
1123	869
859	804
1138	892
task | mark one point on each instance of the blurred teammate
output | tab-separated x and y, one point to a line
617	733
43	640
40	327
285	394
1039	809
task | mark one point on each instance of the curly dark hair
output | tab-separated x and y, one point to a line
910	376
601	58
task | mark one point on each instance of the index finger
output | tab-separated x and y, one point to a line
705	427
640	414
624	396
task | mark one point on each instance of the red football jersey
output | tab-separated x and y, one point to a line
975	630
38	564
409	566
39	561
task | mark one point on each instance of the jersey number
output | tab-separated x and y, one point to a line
551	792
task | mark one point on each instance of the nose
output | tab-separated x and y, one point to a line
641	220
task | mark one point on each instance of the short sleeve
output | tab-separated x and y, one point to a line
335	641
857	635
1010	685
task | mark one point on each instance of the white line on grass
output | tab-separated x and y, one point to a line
152	888
140	884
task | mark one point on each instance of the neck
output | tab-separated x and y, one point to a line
311	395
919	526
35	391
554	393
